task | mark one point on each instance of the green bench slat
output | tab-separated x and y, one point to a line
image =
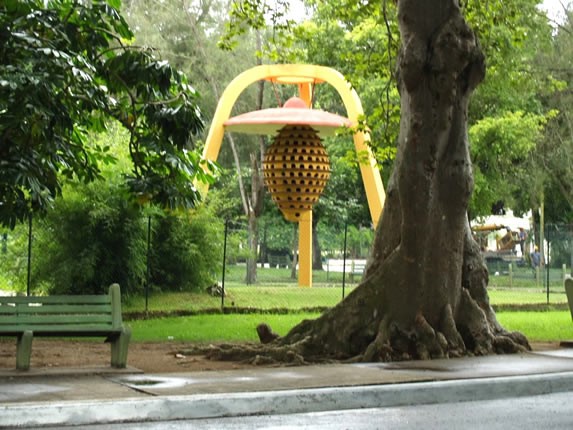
87	299
55	319
7	310
59	330
103	308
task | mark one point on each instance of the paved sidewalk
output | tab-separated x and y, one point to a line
44	397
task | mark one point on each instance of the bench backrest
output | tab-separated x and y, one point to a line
352	266
81	313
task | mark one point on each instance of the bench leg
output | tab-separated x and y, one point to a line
24	350
119	347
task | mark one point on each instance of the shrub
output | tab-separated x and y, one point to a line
186	251
14	258
93	237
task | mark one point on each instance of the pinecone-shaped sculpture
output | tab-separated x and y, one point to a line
296	169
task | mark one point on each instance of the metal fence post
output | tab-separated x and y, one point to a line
547	279
224	265
344	258
147	264
29	280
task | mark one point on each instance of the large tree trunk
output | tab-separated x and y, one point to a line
424	292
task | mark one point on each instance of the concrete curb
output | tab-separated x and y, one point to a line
166	408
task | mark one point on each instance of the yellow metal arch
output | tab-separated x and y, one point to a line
304	76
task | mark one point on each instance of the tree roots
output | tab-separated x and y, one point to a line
471	336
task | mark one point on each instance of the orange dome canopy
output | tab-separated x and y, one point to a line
294	112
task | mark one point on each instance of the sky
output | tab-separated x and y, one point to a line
554	8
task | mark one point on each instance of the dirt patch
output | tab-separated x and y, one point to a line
151	357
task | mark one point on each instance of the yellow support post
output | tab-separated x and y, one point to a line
305	222
305	250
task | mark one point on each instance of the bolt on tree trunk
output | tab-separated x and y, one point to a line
424	291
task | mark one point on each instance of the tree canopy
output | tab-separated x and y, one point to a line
67	68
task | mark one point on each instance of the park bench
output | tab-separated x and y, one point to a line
63	316
279	261
352	268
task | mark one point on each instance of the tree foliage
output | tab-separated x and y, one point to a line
501	147
94	236
186	250
365	39
66	67
112	246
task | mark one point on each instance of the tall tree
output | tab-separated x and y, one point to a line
204	22
66	68
424	292
554	154
512	33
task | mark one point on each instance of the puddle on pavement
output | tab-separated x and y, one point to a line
410	366
160	382
138	381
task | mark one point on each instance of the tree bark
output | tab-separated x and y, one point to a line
294	251
316	249
255	207
424	291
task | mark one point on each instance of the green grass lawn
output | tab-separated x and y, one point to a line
537	326
517	296
213	328
263	297
294	298
277	292
296	303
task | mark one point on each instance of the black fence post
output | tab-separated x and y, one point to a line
547	269
29	280
147	264
224	265
344	259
